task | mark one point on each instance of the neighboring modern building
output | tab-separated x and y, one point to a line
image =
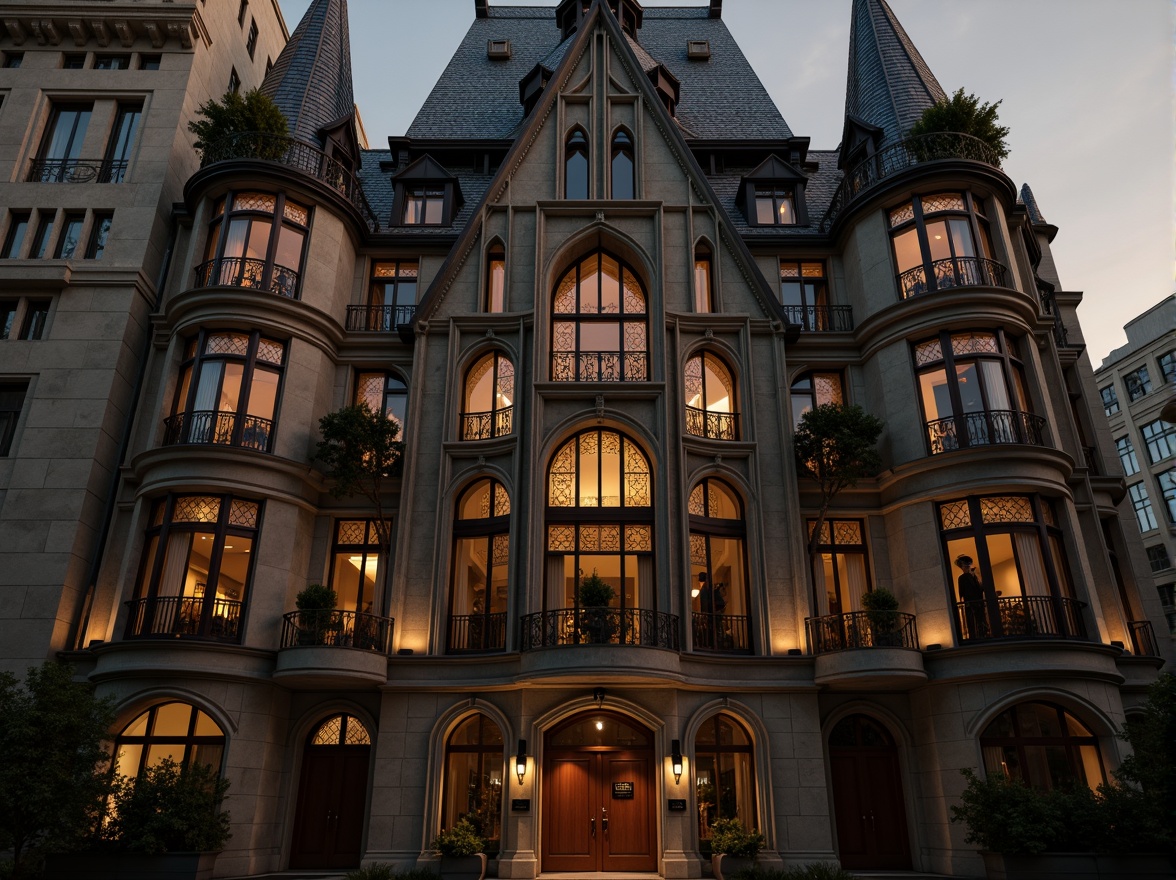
596	283
1137	384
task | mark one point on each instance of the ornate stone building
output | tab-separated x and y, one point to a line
597	282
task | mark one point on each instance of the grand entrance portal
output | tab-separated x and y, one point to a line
329	819
598	796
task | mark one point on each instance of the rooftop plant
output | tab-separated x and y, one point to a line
965	114
239	114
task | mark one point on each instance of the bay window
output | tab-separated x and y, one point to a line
942	241
256	240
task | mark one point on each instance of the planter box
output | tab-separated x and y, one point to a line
463	867
1078	866
130	866
725	866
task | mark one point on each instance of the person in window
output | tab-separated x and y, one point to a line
973	595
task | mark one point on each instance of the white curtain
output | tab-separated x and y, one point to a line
855	579
175	565
1033	580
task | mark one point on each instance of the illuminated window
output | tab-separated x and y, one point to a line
256	240
815	389
935	244
496	280
710	398
1043	745
703	292
724	776
474	762
481	560
356	564
175	731
384	393
489	398
718	569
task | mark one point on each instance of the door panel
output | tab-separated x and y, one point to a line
630	839
568	809
849	812
329	818
869	808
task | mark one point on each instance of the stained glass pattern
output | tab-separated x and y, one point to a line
698	550
697	502
565	295
694	379
928	352
357	734
330	732
943	202
634	337
243	513
226	343
813	270
505	381
561	538
789	270
974	343
824	539
638	538
395	270
1006	509
903	214
501	501
271	352
955	515
295	213
196	508
827	387
847	531
562	481
253	202
501	550
634	296
351	531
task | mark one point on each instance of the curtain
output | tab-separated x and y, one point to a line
855	578
1033	579
645	597
820	564
556	597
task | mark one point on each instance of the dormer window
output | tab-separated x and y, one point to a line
773	195
426	195
424	205
774	206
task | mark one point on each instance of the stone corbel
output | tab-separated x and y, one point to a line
15	30
155	33
182	31
77	30
45	30
101	32
126	35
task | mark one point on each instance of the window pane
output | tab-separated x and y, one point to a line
576	182
906	250
936	396
497	297
172	719
622	175
289	253
234	568
263	393
764	210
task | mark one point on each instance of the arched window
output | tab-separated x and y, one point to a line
341	730
481	557
489	398
496	279
724	775
623	183
703	295
474	762
710	399
599	520
174	730
718	569
576	166
1043	745
598	331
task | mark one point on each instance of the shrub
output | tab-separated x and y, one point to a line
237	114
811	871
460	840
730	837
1005	815
169	808
965	114
374	871
595	591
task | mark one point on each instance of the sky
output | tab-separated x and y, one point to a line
1086	87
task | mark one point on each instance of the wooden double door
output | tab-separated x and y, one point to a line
332	794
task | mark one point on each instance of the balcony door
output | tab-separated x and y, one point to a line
867	797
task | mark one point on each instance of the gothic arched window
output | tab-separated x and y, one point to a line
576	166
489	398
710	398
718	568
175	730
624	184
481	557
1043	745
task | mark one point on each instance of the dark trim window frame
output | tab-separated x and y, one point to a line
941	241
1127	456
724	775
392	294
36	318
71	236
720	580
175	730
253	238
1167	363
116	61
122	140
1137	383
577	174
479	593
816	388
18	230
475	766
711	397
1160	437
12	398
99	234
704	288
623	167
1110	399
40	243
384	391
845	583
1167	483
1158	558
1141	504
357	565
1037	742
251	40
488	395
63	137
495	299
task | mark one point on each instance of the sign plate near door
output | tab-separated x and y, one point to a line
622	791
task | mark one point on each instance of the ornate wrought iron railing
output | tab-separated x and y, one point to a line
485	425
77	171
216	620
218	428
985	428
600	626
821	319
862	629
473	633
297	155
1143	639
338	629
1032	617
712	425
722	633
250	273
900	156
379	319
599	366
951	273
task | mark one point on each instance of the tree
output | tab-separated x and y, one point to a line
241	115
53	777
169	808
1152	764
965	114
834	446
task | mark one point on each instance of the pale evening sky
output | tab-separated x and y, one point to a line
1086	86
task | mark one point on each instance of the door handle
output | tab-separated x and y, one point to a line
604	820
592	825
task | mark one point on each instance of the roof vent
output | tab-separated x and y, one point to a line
698	50
667	86
498	49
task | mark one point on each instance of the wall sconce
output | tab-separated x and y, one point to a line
521	761
598	697
676	760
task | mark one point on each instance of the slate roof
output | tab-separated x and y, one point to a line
819	190
1030	202
380	191
889	84
311	79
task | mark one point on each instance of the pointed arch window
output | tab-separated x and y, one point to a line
576	166
624	184
496	279
489	398
703	294
718	569
710	398
475	757
481	558
176	731
599	323
724	776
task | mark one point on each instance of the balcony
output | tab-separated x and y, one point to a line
297	155
898	157
332	648
1143	639
77	171
878	647
862	629
721	633
985	428
599	366
218	429
487	425
952	273
382	319
476	633
1021	617
821	319
248	273
184	617
712	425
600	626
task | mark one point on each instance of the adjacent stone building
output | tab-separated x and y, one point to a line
596	283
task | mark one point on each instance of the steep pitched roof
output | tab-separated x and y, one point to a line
889	83
311	80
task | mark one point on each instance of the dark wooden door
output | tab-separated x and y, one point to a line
867	797
629	835
329	818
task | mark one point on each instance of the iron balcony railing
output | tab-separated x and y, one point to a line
297	155
476	633
712	425
985	428
599	366
1143	639
78	171
821	319
721	633
379	319
892	159
600	626
184	617
1023	617
862	629
951	273
337	629
250	273
485	425
218	428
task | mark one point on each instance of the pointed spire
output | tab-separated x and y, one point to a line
311	80
889	83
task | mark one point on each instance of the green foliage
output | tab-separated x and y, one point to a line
168	808
460	840
237	114
811	871
879	599
730	837
384	871
595	591
1151	734
1005	815
965	114
53	771
316	597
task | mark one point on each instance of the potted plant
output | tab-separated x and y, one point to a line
317	621
733	848
461	848
595	594
881	610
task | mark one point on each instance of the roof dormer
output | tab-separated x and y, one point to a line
426	195
773	195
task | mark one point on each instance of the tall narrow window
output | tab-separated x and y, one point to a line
481	562
1167	362
176	731
474	763
234	81
57	161
8	309
718	569
804	293
935	245
489	399
496	280
1167	483
1110	399
251	40
1043	745
710	399
41	238
1142	506
724	776
384	393
18	228
623	168
71	235
355	565
703	293
241	12
12	395
392	296
576	166
1127	456
256	240
815	389
99	233
35	318
122	138
841	571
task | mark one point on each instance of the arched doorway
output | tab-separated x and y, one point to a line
598	795
332	794
867	796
